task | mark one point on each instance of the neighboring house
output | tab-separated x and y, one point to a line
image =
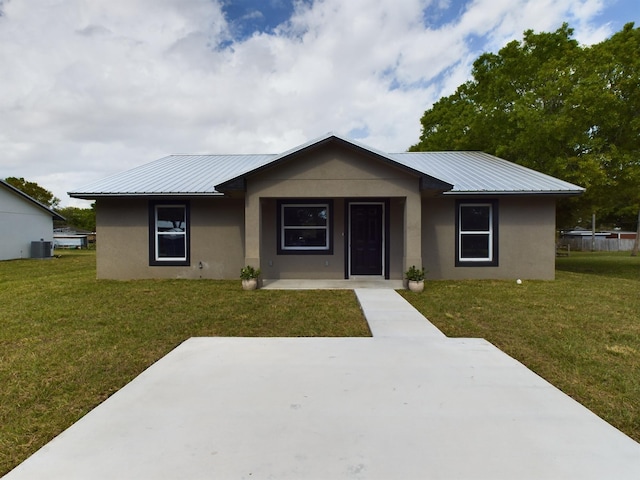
328	209
23	220
65	238
582	239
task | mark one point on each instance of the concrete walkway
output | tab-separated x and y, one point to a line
390	315
395	406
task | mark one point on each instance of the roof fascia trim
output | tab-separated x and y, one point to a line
92	196
516	193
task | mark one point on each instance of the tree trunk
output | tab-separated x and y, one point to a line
636	244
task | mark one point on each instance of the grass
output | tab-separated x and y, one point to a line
580	332
69	341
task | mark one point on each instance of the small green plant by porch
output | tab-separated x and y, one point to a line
248	272
415	274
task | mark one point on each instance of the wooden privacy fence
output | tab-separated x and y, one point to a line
601	244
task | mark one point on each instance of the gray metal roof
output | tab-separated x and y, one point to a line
479	172
175	175
192	175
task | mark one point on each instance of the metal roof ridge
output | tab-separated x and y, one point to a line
218	155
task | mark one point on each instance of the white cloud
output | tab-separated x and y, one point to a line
115	83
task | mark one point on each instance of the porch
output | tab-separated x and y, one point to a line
352	242
349	284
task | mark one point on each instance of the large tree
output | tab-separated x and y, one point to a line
82	218
549	103
34	190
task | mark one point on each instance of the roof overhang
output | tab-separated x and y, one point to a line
558	193
95	196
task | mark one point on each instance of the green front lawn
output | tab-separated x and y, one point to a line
580	332
68	341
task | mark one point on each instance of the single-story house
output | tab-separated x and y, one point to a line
331	208
24	221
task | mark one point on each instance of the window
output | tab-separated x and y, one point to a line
169	234
304	227
477	234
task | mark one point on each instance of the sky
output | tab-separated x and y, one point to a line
89	88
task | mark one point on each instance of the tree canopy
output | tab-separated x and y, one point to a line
82	218
35	191
550	104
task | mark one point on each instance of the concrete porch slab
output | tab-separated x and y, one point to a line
319	408
350	284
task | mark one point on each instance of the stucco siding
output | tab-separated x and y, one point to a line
216	240
299	265
396	240
217	233
527	237
333	172
526	240
22	223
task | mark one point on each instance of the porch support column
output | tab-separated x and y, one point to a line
252	229
412	231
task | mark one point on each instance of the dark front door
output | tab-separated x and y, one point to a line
366	230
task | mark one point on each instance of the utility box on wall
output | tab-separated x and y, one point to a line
40	249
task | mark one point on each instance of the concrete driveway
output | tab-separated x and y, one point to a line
387	407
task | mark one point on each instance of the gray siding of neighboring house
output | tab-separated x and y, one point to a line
21	222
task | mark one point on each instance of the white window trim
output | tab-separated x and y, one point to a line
326	228
488	232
